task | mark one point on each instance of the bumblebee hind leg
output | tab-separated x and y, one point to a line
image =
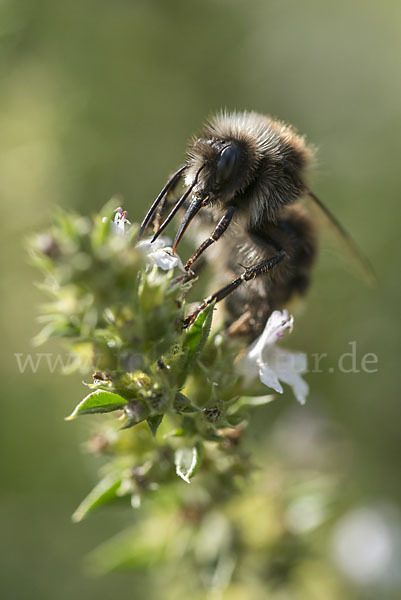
247	275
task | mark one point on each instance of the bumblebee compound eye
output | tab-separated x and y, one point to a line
227	163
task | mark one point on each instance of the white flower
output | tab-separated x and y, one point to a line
158	253
120	224
273	364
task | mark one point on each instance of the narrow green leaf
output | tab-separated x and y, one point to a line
140	548
56	328
101	230
179	432
200	327
108	209
238	417
105	491
249	401
241	409
182	404
154	423
99	401
187	461
196	337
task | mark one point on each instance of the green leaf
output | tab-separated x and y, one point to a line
182	404
108	209
105	491
101	230
136	412
240	411
179	432
99	401
140	548
154	423
196	336
249	401
56	328
187	462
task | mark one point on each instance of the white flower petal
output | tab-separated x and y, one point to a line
277	324
163	259
269	378
274	364
248	368
120	224
118	228
283	360
157	253
299	386
158	244
288	366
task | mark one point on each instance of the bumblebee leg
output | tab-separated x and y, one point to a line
214	236
172	181
247	275
164	202
191	274
178	204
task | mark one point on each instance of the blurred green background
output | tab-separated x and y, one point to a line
100	98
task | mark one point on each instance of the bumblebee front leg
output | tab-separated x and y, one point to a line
214	236
170	196
249	274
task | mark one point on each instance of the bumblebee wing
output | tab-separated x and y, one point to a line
352	249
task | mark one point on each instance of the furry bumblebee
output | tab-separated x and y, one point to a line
245	177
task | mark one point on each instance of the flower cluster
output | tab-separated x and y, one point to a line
179	399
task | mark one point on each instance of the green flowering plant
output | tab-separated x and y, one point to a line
173	403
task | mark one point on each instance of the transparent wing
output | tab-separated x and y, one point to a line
358	258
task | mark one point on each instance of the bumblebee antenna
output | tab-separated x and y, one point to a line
173	179
178	204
